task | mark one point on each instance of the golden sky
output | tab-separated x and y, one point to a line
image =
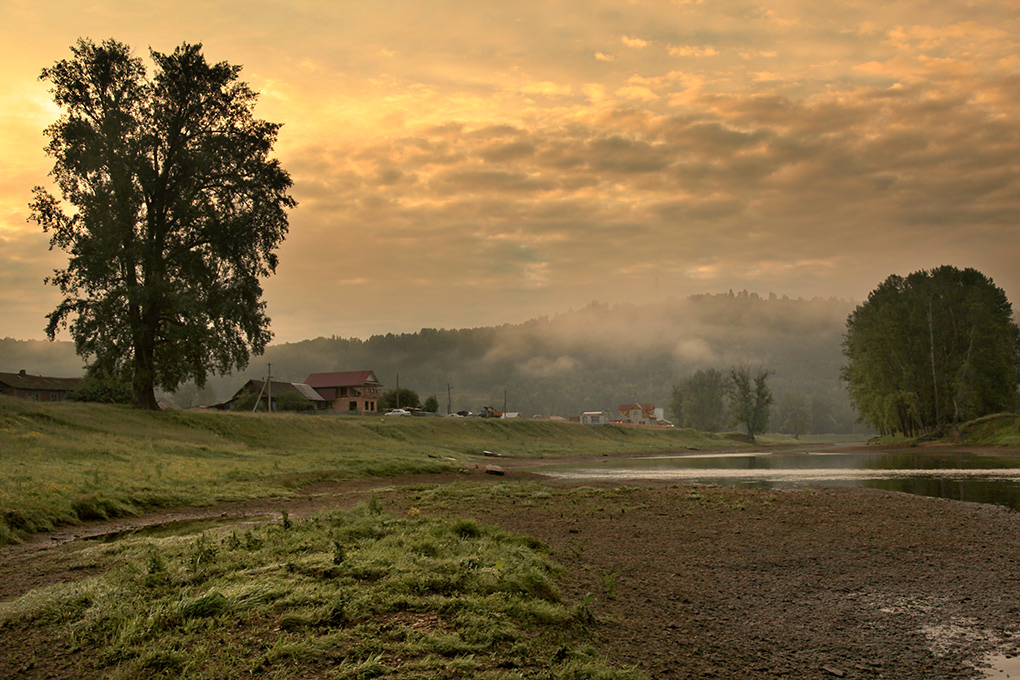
474	162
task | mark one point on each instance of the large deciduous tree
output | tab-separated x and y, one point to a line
178	209
931	350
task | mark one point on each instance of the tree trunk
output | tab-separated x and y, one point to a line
144	382
934	373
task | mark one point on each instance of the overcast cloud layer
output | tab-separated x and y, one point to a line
473	163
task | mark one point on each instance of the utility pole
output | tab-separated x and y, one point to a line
269	383
398	390
449	399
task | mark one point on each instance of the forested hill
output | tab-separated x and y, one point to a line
592	359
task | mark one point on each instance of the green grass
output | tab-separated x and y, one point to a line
67	462
1001	429
788	440
355	594
998	429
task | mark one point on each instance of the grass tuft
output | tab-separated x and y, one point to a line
409	598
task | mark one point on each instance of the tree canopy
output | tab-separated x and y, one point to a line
178	211
699	400
750	399
931	350
399	398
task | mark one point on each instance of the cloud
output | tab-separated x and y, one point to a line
547	88
693	51
805	148
639	92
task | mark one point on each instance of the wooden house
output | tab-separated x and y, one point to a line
348	391
36	387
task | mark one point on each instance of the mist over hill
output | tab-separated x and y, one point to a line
594	358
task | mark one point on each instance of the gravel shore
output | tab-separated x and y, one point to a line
707	582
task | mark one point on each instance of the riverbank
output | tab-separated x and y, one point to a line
64	463
689	581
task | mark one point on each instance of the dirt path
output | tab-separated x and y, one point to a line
699	582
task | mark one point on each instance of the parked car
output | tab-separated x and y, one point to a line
398	412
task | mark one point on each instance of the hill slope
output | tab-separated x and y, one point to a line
591	359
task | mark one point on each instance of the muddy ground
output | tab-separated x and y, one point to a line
695	582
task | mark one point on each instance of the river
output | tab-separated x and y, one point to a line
957	475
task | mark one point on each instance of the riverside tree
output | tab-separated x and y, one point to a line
750	399
178	209
699	400
794	414
931	350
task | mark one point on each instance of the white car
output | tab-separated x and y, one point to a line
398	412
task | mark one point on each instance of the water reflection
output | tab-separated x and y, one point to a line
954	475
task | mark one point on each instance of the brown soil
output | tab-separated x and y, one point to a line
695	582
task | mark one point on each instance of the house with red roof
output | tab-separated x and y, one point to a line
642	414
348	391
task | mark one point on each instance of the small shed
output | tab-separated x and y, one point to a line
595	418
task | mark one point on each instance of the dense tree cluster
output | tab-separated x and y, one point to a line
178	211
931	350
699	401
750	399
431	404
401	398
710	400
102	389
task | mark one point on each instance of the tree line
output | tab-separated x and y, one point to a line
710	400
930	350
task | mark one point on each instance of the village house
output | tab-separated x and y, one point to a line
642	414
595	418
285	394
36	387
348	391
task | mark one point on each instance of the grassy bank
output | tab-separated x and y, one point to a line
998	429
358	594
1002	429
67	462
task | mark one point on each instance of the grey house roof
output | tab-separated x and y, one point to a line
281	388
24	381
